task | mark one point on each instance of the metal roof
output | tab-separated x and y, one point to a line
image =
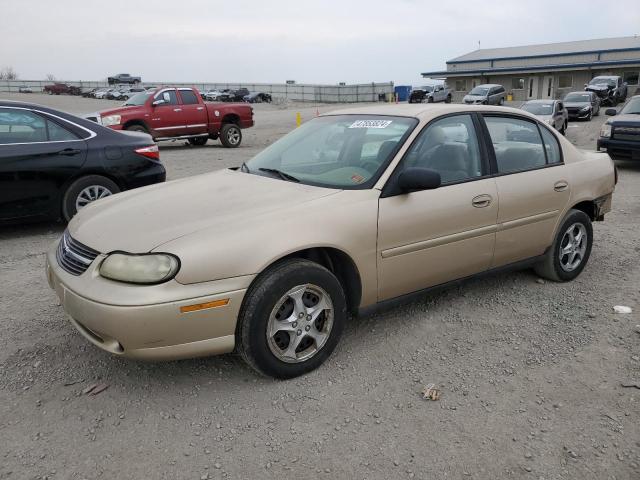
563	48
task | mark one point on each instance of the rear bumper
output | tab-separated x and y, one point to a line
144	329
155	173
619	149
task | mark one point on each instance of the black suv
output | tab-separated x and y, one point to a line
620	136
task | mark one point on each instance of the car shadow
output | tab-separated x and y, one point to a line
628	165
30	229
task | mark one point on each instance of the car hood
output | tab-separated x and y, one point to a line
628	118
141	220
577	104
474	97
119	110
598	88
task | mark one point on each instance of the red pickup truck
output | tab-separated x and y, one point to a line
58	88
170	113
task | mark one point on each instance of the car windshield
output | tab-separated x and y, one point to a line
337	151
538	108
632	107
481	91
603	81
138	98
578	97
426	88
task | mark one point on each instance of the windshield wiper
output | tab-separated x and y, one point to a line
281	174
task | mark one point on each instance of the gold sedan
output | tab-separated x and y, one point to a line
351	210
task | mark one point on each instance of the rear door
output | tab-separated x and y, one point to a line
166	118
194	113
39	154
532	183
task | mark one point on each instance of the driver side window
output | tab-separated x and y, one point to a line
448	146
169	96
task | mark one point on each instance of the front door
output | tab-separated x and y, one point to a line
532	184
547	86
37	157
430	237
532	88
166	117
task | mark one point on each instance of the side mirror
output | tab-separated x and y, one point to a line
417	178
159	102
611	112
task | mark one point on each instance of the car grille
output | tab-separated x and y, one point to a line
73	256
626	133
573	111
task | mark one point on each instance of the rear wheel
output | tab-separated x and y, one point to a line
563	130
198	141
291	319
448	99
84	191
571	249
230	135
501	102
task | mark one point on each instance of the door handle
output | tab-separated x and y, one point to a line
561	186
177	109
69	152
481	201
200	108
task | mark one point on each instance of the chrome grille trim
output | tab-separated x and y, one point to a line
73	256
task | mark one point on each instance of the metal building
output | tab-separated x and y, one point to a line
544	71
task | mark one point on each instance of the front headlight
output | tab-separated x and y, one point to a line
605	131
585	109
111	120
143	269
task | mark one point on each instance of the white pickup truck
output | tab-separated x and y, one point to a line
430	94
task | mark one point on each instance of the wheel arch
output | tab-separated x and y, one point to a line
142	123
337	262
231	118
588	207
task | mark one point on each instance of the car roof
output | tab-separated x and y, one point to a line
421	111
488	85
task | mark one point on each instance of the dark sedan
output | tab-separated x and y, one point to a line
52	164
582	105
257	97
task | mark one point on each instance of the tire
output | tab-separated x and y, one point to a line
597	112
501	102
231	135
555	269
448	99
590	116
83	187
430	100
270	354
137	128
198	141
563	130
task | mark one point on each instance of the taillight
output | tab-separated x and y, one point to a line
151	152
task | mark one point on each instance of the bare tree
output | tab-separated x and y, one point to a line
8	73
50	77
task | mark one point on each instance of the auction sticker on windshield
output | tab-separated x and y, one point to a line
371	124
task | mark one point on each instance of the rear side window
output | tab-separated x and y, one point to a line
517	144
58	133
551	146
188	97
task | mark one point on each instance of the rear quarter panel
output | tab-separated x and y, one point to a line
218	111
591	175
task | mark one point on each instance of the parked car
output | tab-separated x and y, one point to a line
582	105
620	135
611	89
128	92
122	78
489	94
551	112
61	88
114	94
212	95
102	92
89	93
257	97
25	89
430	94
53	164
399	200
170	113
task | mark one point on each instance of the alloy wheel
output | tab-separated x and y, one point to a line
91	194
300	323
573	247
233	135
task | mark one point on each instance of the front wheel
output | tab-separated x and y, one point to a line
448	99
84	191
230	135
291	319
563	130
571	248
501	102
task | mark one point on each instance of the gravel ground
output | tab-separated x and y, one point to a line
531	372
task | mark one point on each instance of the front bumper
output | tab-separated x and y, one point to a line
145	322
619	149
579	115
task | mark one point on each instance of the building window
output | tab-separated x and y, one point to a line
565	81
461	85
631	78
518	83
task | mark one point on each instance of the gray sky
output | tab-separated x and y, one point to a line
325	41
